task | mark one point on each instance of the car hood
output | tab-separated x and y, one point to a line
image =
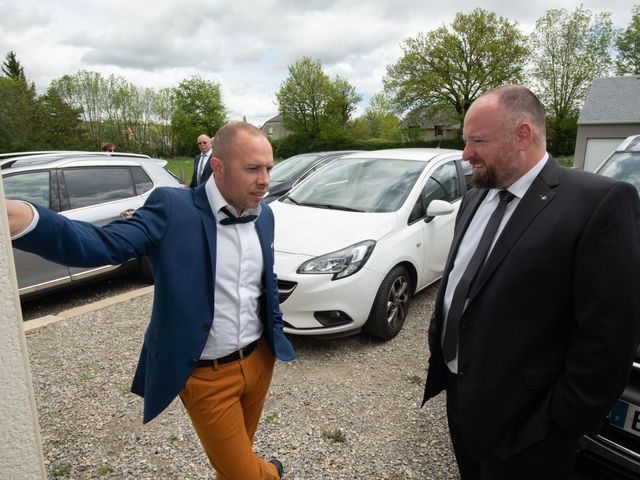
316	231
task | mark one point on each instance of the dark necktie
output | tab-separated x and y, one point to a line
201	167
464	287
232	219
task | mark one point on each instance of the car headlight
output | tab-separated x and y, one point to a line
342	263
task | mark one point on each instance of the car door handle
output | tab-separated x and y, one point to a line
127	213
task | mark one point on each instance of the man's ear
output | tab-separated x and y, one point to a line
216	165
524	134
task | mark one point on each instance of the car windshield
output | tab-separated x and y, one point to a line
359	184
623	166
292	167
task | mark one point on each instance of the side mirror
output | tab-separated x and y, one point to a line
437	208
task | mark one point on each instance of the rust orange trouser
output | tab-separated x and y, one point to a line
225	403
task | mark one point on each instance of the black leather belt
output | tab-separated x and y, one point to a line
244	352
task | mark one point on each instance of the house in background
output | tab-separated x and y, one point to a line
274	128
425	126
611	113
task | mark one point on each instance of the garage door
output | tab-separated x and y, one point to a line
597	150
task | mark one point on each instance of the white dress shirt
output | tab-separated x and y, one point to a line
474	232
238	283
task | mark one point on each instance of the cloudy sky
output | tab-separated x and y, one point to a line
245	45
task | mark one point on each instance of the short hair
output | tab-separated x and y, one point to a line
521	104
222	142
108	147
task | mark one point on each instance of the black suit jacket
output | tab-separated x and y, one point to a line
206	173
550	333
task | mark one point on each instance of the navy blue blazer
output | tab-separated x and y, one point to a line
177	230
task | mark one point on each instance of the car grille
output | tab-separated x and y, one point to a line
285	289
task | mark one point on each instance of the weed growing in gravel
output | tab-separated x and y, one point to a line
334	435
415	379
173	438
272	417
105	469
61	470
84	377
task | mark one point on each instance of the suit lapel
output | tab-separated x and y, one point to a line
208	222
539	195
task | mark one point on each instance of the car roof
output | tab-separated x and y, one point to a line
423	154
61	159
629	144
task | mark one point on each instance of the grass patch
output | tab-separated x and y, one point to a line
85	377
565	161
173	438
62	470
415	379
272	417
336	436
105	469
181	167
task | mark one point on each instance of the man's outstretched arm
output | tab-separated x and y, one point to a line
20	216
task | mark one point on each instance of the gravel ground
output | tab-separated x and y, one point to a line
345	409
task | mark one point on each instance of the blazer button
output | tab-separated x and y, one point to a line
206	327
194	361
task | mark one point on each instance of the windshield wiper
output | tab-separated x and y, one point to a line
329	206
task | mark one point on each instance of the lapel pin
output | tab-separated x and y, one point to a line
543	197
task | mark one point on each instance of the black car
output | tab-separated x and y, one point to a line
291	171
614	453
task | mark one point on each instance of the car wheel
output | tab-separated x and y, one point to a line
391	305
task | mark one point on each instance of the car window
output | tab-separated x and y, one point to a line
442	184
360	184
141	180
623	166
467	171
291	167
91	186
32	187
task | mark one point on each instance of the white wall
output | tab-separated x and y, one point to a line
20	447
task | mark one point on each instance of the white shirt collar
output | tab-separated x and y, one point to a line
217	201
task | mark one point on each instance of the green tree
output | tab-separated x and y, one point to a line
628	45
198	109
303	98
569	50
315	108
60	125
12	67
382	121
451	66
19	128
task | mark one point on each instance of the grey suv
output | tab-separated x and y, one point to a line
91	186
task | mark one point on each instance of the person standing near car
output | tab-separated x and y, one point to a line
216	325
202	162
538	317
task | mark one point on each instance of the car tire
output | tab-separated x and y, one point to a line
391	305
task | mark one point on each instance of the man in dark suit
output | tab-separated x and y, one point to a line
533	340
216	325
202	162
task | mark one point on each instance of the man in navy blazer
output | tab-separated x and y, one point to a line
548	329
178	229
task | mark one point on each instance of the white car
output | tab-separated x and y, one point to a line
357	239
